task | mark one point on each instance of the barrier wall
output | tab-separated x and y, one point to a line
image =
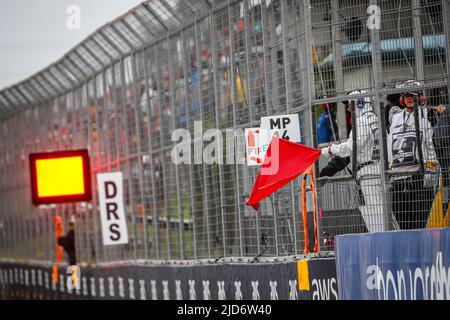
411	265
303	280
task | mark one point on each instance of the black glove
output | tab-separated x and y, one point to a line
335	165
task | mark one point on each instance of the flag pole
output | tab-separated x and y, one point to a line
310	172
316	226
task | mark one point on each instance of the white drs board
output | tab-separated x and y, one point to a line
112	212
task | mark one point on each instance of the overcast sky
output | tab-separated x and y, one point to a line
34	33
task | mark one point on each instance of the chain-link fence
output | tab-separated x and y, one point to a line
341	65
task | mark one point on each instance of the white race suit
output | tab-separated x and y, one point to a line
367	157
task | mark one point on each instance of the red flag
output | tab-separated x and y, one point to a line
284	161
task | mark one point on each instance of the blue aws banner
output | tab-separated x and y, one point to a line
398	265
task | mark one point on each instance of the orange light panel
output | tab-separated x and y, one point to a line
60	177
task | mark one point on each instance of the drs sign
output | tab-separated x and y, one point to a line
114	225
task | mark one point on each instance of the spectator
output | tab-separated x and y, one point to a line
327	129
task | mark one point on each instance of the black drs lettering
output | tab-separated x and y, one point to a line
110	189
286	121
111	208
115	232
114	225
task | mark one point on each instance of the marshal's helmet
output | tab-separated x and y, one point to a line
357	102
412	88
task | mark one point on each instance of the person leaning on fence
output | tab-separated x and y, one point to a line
367	156
412	192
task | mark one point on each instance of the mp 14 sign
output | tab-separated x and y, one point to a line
282	126
110	194
258	139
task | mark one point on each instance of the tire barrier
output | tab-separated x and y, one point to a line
297	280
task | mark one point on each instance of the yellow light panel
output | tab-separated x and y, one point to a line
60	176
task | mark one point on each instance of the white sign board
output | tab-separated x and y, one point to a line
255	145
110	194
282	126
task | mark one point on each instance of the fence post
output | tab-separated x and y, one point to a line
163	166
382	134
155	217
446	22
311	120
173	82
137	117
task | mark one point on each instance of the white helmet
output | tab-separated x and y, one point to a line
409	84
413	88
359	102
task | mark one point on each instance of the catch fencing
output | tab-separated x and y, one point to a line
169	64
